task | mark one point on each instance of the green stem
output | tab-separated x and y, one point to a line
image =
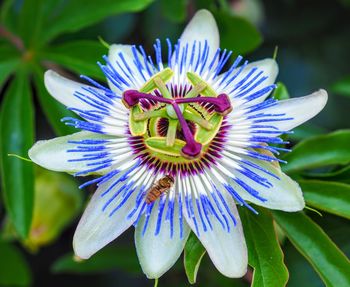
20	157
13	39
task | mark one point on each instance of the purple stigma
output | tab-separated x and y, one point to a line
222	104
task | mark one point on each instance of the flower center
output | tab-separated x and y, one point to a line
154	101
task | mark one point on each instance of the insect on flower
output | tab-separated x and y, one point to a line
161	186
177	141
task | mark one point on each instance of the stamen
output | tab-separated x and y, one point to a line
171	133
196	80
196	90
162	88
198	120
161	113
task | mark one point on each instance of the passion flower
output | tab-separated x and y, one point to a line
177	141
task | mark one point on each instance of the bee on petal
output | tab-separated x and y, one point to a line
161	186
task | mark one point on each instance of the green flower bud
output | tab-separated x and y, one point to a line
57	202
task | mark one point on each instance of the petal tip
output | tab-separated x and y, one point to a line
323	97
203	13
61	88
79	250
81	246
49	73
317	101
49	77
270	67
295	202
204	16
152	273
237	271
34	153
113	48
158	253
202	27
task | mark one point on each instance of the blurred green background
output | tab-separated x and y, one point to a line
313	40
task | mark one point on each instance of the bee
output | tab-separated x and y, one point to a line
161	186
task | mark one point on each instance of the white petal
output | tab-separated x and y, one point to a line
114	56
52	154
63	90
284	194
226	249
99	225
158	253
82	98
299	109
201	28
269	69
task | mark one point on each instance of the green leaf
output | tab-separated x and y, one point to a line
8	63
6	69
5	8
236	33
332	197
193	254
305	131
342	87
8	51
17	136
346	3
109	258
53	110
174	10
265	254
14	270
30	21
342	174
205	4
76	14
281	92
319	151
79	57
311	241
7	17
299	269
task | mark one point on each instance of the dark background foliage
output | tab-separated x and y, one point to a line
313	39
